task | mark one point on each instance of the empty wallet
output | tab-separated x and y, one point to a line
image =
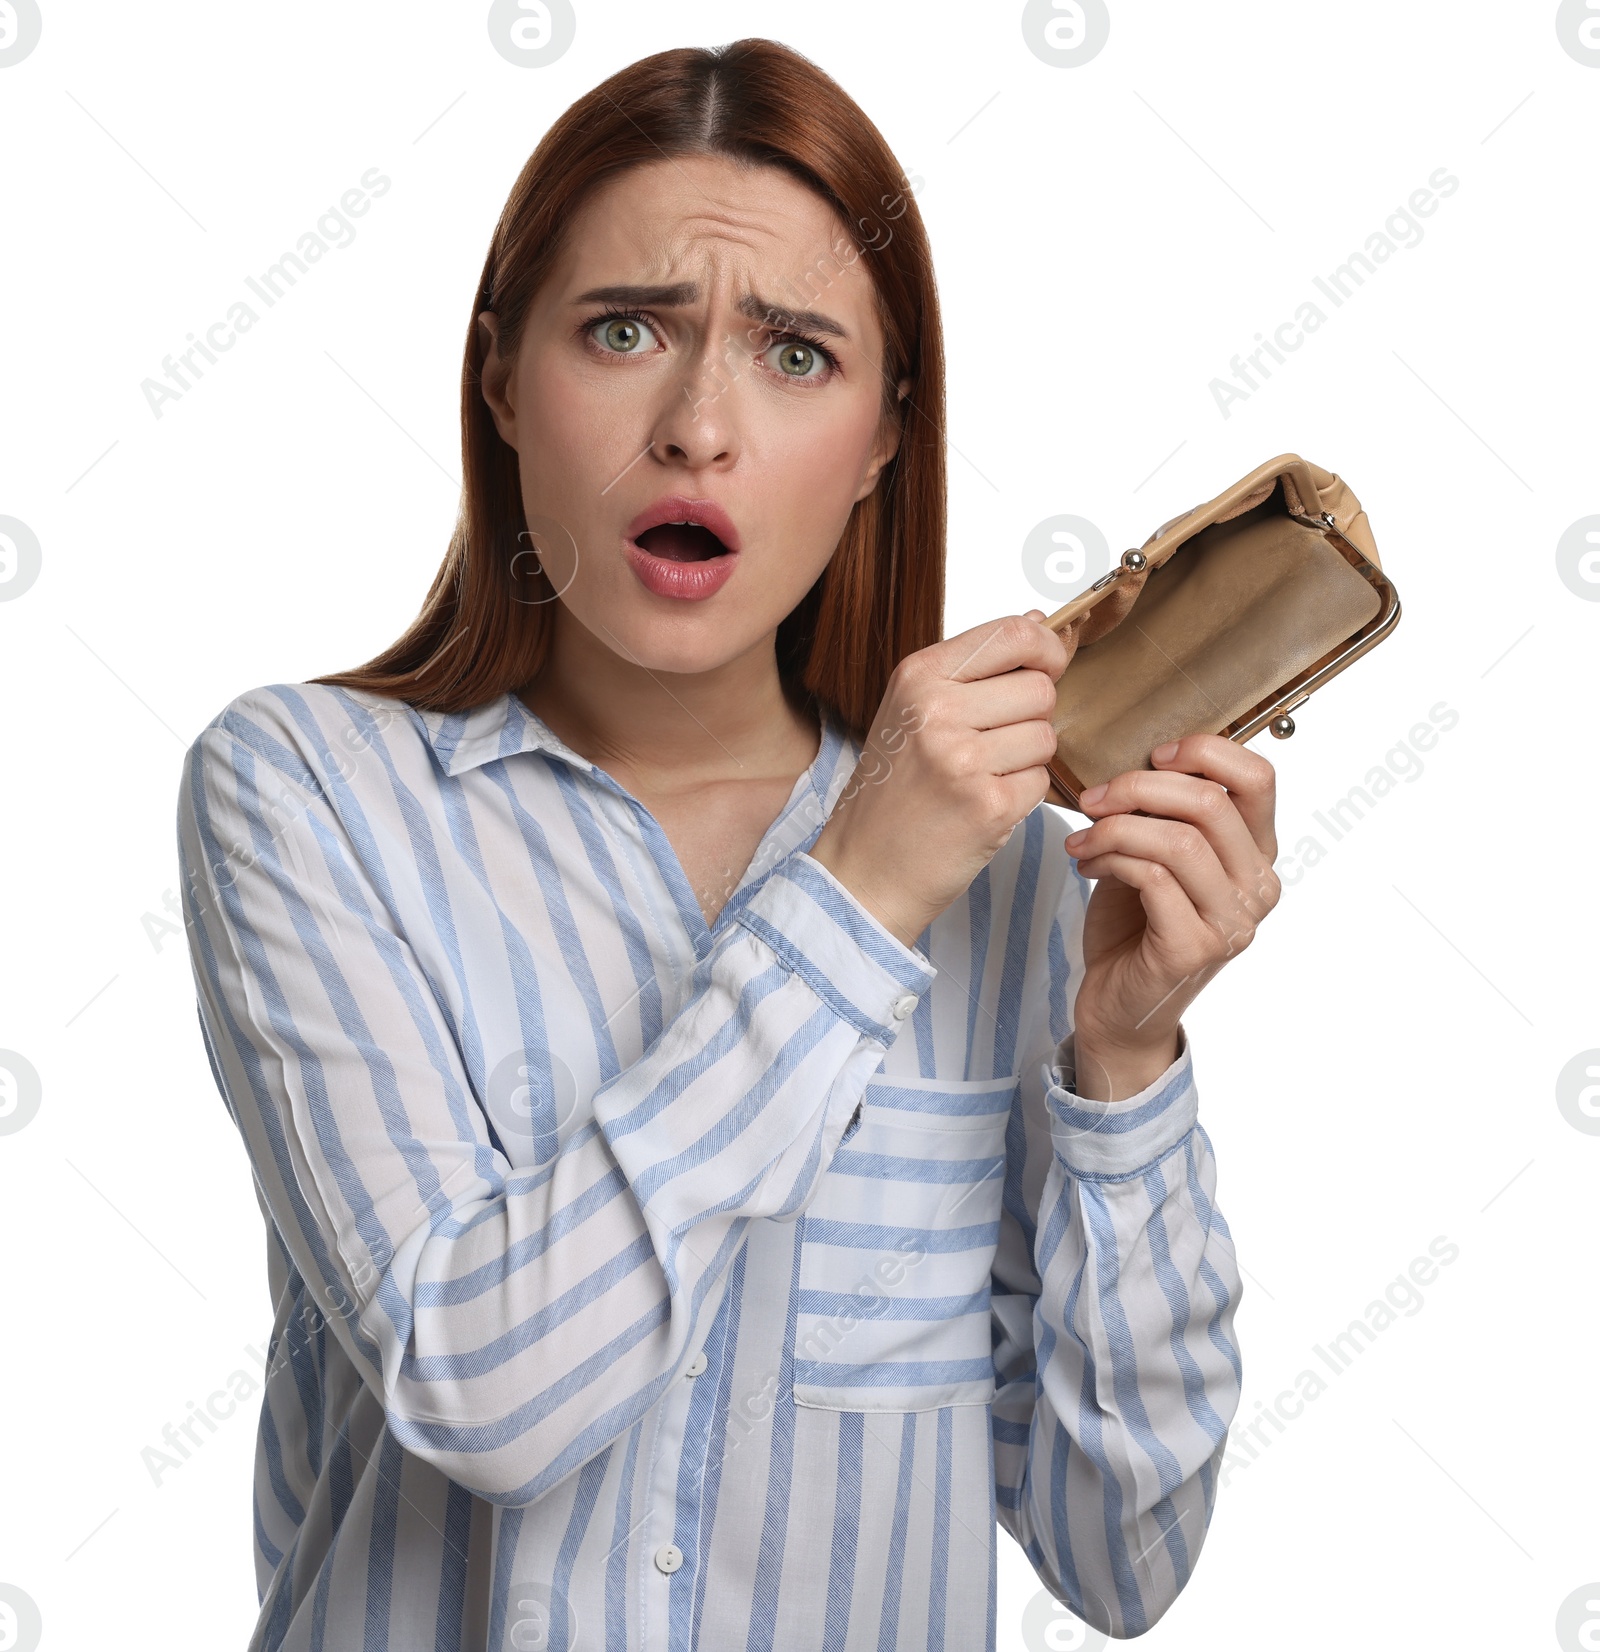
1228	618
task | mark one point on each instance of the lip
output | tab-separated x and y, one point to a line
678	507
688	581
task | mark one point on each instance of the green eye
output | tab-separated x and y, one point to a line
623	334
796	360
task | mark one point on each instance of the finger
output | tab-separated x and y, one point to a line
1205	804
999	645
1183	850
1017	746
1012	697
1177	930
1250	778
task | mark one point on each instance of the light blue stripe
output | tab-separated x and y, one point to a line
621	1551
894	1571
1018	933
892	1305
381	1554
896	1167
453	1557
846	1524
980	915
584	1504
977	1103
722	1352
944	1557
874	1236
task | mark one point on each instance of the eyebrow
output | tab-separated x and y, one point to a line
686	292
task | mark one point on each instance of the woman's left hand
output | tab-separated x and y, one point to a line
1181	888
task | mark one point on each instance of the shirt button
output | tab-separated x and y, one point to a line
669	1557
696	1365
904	1005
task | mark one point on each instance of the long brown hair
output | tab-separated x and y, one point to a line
485	626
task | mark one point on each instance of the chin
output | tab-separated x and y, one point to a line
696	643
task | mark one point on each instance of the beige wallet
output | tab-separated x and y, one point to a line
1228	618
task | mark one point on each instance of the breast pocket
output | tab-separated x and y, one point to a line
896	1248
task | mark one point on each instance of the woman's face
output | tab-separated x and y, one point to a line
746	378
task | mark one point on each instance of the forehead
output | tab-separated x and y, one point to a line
714	221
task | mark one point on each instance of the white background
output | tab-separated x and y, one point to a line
1379	1070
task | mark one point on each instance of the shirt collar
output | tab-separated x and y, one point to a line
463	740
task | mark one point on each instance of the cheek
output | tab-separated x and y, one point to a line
815	467
571	445
567	430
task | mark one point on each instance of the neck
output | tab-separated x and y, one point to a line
667	731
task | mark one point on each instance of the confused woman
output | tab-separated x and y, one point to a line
720	1161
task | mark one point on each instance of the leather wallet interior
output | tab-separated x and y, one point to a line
1235	613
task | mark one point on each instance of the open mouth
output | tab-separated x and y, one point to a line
681	542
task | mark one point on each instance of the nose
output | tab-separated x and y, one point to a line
696	424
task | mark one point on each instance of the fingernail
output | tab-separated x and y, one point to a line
1093	795
1166	753
1034	614
1077	838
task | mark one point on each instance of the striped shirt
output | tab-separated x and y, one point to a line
644	1285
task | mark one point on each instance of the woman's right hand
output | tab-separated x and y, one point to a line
954	759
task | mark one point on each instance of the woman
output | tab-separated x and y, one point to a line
715	1165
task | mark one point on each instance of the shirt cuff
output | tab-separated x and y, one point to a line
856	965
1109	1140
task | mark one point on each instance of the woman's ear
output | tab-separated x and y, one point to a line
495	378
888	443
